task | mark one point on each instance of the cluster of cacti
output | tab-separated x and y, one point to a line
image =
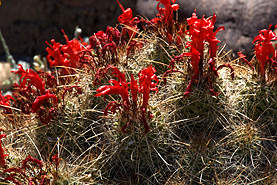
156	105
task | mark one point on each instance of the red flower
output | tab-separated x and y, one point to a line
40	99
2	155
116	88
26	93
119	87
211	39
166	13
263	47
65	55
195	58
201	31
146	84
30	77
55	56
111	47
127	19
5	101
169	38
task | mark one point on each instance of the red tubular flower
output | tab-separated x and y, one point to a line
166	13
197	33
5	100
20	72
34	79
65	55
2	155
26	172
119	87
195	59
147	82
116	88
102	72
55	56
40	99
127	19
102	38
179	41
113	35
30	77
201	31
211	39
169	38
146	76
105	44
71	49
118	74
263	47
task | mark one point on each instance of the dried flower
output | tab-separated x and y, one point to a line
56	160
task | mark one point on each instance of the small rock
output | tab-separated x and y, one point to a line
6	77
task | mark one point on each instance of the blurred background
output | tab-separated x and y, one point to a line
27	24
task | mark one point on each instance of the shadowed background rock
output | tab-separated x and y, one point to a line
26	25
242	19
